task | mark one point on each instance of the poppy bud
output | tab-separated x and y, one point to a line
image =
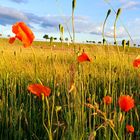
130	128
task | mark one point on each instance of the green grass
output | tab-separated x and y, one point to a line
24	116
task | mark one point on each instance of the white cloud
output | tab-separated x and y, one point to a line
19	1
120	32
134	27
130	4
49	23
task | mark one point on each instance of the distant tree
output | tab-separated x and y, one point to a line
46	37
115	43
8	35
128	43
99	42
51	40
93	42
104	41
0	34
61	39
134	45
66	39
55	38
124	44
138	45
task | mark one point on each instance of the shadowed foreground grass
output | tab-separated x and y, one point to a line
65	114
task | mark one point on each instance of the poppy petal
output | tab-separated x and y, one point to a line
23	33
83	57
39	89
129	128
28	32
11	40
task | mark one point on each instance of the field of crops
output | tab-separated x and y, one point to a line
76	108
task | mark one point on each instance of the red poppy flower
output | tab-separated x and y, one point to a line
136	62
39	89
83	57
130	128
23	33
107	100
126	102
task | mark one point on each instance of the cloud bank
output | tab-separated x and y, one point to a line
130	4
50	23
19	1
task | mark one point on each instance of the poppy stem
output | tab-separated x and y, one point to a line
43	112
49	120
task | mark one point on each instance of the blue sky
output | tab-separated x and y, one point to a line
44	16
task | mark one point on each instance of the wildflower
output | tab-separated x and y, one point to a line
39	89
126	102
23	33
107	100
136	62
83	57
129	128
89	105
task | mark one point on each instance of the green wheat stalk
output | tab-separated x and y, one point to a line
64	19
117	16
120	21
61	29
108	13
73	28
